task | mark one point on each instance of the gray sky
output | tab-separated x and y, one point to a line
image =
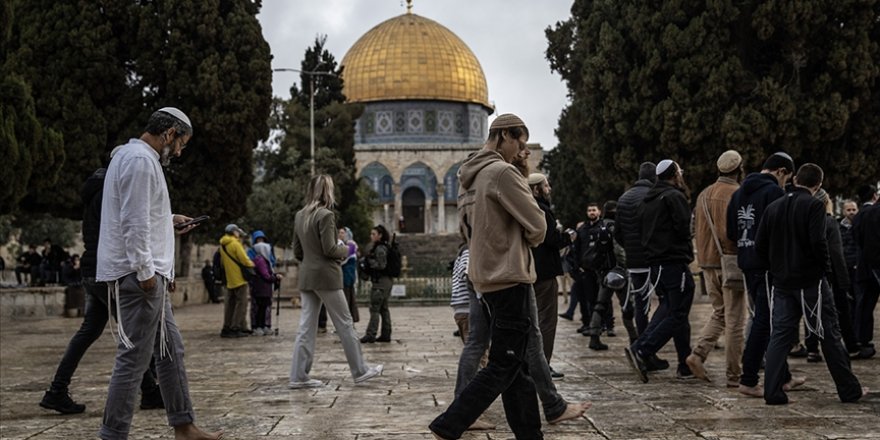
507	36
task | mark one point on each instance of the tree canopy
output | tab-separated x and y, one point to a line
96	70
687	80
288	159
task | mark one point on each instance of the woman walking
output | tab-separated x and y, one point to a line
320	281
375	264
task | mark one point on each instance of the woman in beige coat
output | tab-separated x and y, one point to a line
320	281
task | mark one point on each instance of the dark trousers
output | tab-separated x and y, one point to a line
866	301
674	285
600	296
575	294
352	302
94	321
261	312
758	290
505	375
787	312
640	295
546	298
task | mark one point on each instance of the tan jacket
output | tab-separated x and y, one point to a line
314	245
502	220
717	197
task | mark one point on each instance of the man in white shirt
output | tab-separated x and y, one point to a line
136	259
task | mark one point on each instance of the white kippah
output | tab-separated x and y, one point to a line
663	166
173	111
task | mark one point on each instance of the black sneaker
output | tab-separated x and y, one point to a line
684	373
596	344
565	316
798	352
368	340
62	402
383	339
654	363
814	357
555	374
637	364
152	399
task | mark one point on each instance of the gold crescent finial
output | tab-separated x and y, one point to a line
409	6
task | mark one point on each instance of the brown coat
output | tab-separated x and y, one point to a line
504	222
716	196
314	245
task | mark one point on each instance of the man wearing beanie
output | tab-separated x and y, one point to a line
502	222
728	300
629	235
548	265
744	213
136	260
666	236
791	243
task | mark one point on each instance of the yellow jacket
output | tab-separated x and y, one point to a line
233	247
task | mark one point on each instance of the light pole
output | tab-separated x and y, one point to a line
311	74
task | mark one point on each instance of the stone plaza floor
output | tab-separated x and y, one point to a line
240	385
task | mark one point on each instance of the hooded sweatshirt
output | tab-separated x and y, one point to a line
666	225
502	220
747	205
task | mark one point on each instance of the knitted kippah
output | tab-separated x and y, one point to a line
507	120
536	178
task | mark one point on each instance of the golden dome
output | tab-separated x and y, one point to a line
412	57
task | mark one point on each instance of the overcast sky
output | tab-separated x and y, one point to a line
507	36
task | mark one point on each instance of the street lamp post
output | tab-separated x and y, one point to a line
311	74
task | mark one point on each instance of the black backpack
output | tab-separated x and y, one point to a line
598	253
219	272
395	260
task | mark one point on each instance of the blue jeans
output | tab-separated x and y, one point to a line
787	314
674	285
539	370
758	290
505	375
94	321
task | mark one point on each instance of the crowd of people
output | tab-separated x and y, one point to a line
765	243
49	265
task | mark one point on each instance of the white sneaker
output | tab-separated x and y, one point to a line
371	373
267	331
311	383
258	331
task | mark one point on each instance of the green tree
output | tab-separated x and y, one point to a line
33	153
73	54
687	80
334	137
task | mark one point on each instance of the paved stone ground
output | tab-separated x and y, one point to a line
240	385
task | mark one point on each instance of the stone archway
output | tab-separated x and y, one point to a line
413	201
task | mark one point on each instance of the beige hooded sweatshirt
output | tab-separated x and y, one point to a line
502	220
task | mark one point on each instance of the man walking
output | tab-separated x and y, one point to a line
744	214
666	236
136	259
791	242
728	302
866	228
548	265
503	221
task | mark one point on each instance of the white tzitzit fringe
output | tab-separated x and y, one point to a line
815	312
632	291
123	338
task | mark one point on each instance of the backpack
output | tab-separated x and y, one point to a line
219	272
599	252
394	263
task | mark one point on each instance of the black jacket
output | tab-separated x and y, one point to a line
548	262
791	241
629	224
850	248
92	194
744	213
587	236
666	225
839	271
866	228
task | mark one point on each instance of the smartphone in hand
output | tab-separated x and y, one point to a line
195	221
